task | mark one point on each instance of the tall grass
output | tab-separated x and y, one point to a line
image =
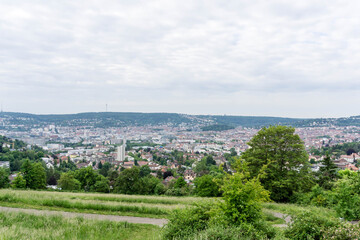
108	197
294	209
139	199
26	226
51	202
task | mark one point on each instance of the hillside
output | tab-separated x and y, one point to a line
123	119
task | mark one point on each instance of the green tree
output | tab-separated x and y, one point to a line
113	175
26	169
37	176
284	153
52	176
102	184
328	173
149	184
205	186
4	177
105	169
87	177
128	181
233	153
210	161
15	165
68	181
145	171
19	181
203	167
159	188
180	182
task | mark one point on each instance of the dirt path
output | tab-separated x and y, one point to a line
286	217
153	221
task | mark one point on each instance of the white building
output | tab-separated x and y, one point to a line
121	152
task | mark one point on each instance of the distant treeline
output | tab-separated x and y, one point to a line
121	119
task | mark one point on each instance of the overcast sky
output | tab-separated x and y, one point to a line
271	58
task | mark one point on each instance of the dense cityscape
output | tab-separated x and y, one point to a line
125	147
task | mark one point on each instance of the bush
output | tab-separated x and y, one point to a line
220	232
348	201
173	192
102	186
206	221
185	222
343	232
19	181
317	197
308	226
205	186
243	196
159	189
67	181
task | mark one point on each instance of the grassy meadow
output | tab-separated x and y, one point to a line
15	225
295	209
26	226
113	204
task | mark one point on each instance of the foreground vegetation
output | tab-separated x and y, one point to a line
114	204
295	209
274	169
26	226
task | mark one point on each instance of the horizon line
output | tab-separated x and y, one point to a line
229	115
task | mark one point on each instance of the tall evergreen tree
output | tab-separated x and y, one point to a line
327	173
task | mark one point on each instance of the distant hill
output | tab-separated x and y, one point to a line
217	127
123	119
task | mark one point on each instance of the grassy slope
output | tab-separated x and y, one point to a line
125	205
128	205
294	209
27	226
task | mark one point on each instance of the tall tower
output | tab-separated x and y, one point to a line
121	152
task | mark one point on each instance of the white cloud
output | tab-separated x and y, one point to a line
232	57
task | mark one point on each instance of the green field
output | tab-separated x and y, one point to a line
26	226
114	204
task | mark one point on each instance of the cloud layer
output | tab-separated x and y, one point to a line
204	57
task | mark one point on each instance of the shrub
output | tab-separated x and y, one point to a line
308	226
343	232
243	196
205	186
184	222
347	200
159	189
102	186
173	192
220	232
68	182
19	181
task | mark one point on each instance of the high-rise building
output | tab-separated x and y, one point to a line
121	151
